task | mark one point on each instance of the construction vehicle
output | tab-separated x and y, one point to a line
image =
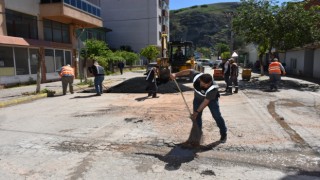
181	55
175	56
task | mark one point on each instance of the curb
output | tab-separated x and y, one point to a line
22	100
30	98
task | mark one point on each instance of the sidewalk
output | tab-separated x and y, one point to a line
16	95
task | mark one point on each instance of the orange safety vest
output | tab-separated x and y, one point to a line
67	71
274	68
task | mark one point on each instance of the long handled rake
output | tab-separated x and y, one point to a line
195	133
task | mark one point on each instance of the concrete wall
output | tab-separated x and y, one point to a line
26	6
299	55
316	63
133	22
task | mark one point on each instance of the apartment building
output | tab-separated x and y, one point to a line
135	23
45	31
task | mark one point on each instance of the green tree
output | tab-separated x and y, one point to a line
297	26
255	21
220	48
130	57
206	52
94	50
269	26
150	52
225	55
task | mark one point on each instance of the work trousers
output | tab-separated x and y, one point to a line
227	80
152	88
233	81
215	112
274	81
67	80
98	83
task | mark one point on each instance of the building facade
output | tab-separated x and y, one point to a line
135	23
43	33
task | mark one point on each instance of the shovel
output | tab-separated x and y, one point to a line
195	133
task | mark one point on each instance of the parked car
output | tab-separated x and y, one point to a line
204	62
217	64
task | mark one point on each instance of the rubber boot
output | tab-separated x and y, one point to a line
155	95
229	91
236	90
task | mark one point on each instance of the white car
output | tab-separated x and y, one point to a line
204	62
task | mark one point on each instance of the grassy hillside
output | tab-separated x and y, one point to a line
205	25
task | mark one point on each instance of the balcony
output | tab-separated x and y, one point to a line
165	13
78	12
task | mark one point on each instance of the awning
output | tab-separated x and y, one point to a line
18	41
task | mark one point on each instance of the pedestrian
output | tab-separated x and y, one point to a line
275	70
121	66
234	72
151	79
67	76
98	72
226	72
206	94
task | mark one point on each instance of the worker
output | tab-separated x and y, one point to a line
151	79
275	70
234	72
226	73
98	72
178	54
205	94
121	66
67	76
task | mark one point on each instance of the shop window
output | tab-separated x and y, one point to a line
68	57
21	59
34	58
6	57
59	59
49	60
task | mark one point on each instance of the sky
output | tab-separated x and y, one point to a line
178	4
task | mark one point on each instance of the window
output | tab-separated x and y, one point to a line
21	59
89	34
87	6
56	32
79	4
55	59
68	57
293	63
6	56
33	53
73	3
84	6
21	25
49	60
59	59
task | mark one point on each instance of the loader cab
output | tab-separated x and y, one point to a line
181	55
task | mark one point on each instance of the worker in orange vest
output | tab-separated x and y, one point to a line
67	76
275	71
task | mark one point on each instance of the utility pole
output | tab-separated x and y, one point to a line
229	15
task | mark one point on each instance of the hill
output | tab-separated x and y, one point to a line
205	25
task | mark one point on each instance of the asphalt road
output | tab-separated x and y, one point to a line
271	135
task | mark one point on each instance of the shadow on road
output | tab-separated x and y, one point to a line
181	154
